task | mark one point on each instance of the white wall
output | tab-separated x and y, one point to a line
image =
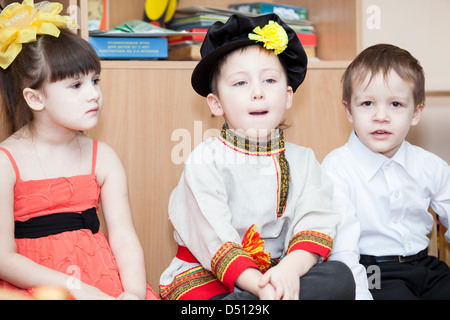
433	131
419	26
423	28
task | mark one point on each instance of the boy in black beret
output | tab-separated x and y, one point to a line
252	213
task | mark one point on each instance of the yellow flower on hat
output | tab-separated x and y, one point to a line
21	23
273	35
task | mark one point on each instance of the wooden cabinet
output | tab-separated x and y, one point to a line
152	117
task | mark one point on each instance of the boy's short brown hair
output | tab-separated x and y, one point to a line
384	58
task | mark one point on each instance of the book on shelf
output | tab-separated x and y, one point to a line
308	38
195	34
282	10
137	39
195	21
223	15
187	47
98	15
309	43
185	50
134	39
311	52
130	47
199	17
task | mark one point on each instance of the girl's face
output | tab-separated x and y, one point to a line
74	103
382	112
253	94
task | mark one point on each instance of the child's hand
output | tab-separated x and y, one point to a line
266	292
284	281
285	277
249	281
87	292
128	296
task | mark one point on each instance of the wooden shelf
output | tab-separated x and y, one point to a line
337	22
190	65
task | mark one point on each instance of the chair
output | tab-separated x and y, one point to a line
439	246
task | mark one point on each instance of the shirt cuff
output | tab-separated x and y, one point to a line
312	241
229	262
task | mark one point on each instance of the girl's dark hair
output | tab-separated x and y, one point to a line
47	60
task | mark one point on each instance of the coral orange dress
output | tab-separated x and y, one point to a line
83	253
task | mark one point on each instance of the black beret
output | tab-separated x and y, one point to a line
222	38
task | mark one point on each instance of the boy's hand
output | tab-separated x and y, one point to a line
266	292
285	283
285	277
249	279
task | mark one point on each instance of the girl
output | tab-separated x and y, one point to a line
53	175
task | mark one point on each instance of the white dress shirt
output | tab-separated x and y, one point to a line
385	201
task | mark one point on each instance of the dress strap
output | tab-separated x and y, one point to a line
94	156
16	169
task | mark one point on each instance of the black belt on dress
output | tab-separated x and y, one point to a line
57	223
366	259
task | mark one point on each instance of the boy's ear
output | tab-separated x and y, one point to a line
289	97
417	114
348	111
34	99
214	105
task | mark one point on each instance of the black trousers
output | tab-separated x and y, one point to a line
330	280
424	279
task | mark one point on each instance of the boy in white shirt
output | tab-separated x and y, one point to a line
384	185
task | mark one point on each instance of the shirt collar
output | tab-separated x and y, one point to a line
244	145
370	161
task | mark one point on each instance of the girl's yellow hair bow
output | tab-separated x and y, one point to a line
273	35
21	23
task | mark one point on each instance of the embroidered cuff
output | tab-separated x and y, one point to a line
312	241
229	262
194	284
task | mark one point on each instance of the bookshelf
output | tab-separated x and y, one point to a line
151	112
338	22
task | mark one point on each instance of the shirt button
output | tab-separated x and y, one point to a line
395	220
396	194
